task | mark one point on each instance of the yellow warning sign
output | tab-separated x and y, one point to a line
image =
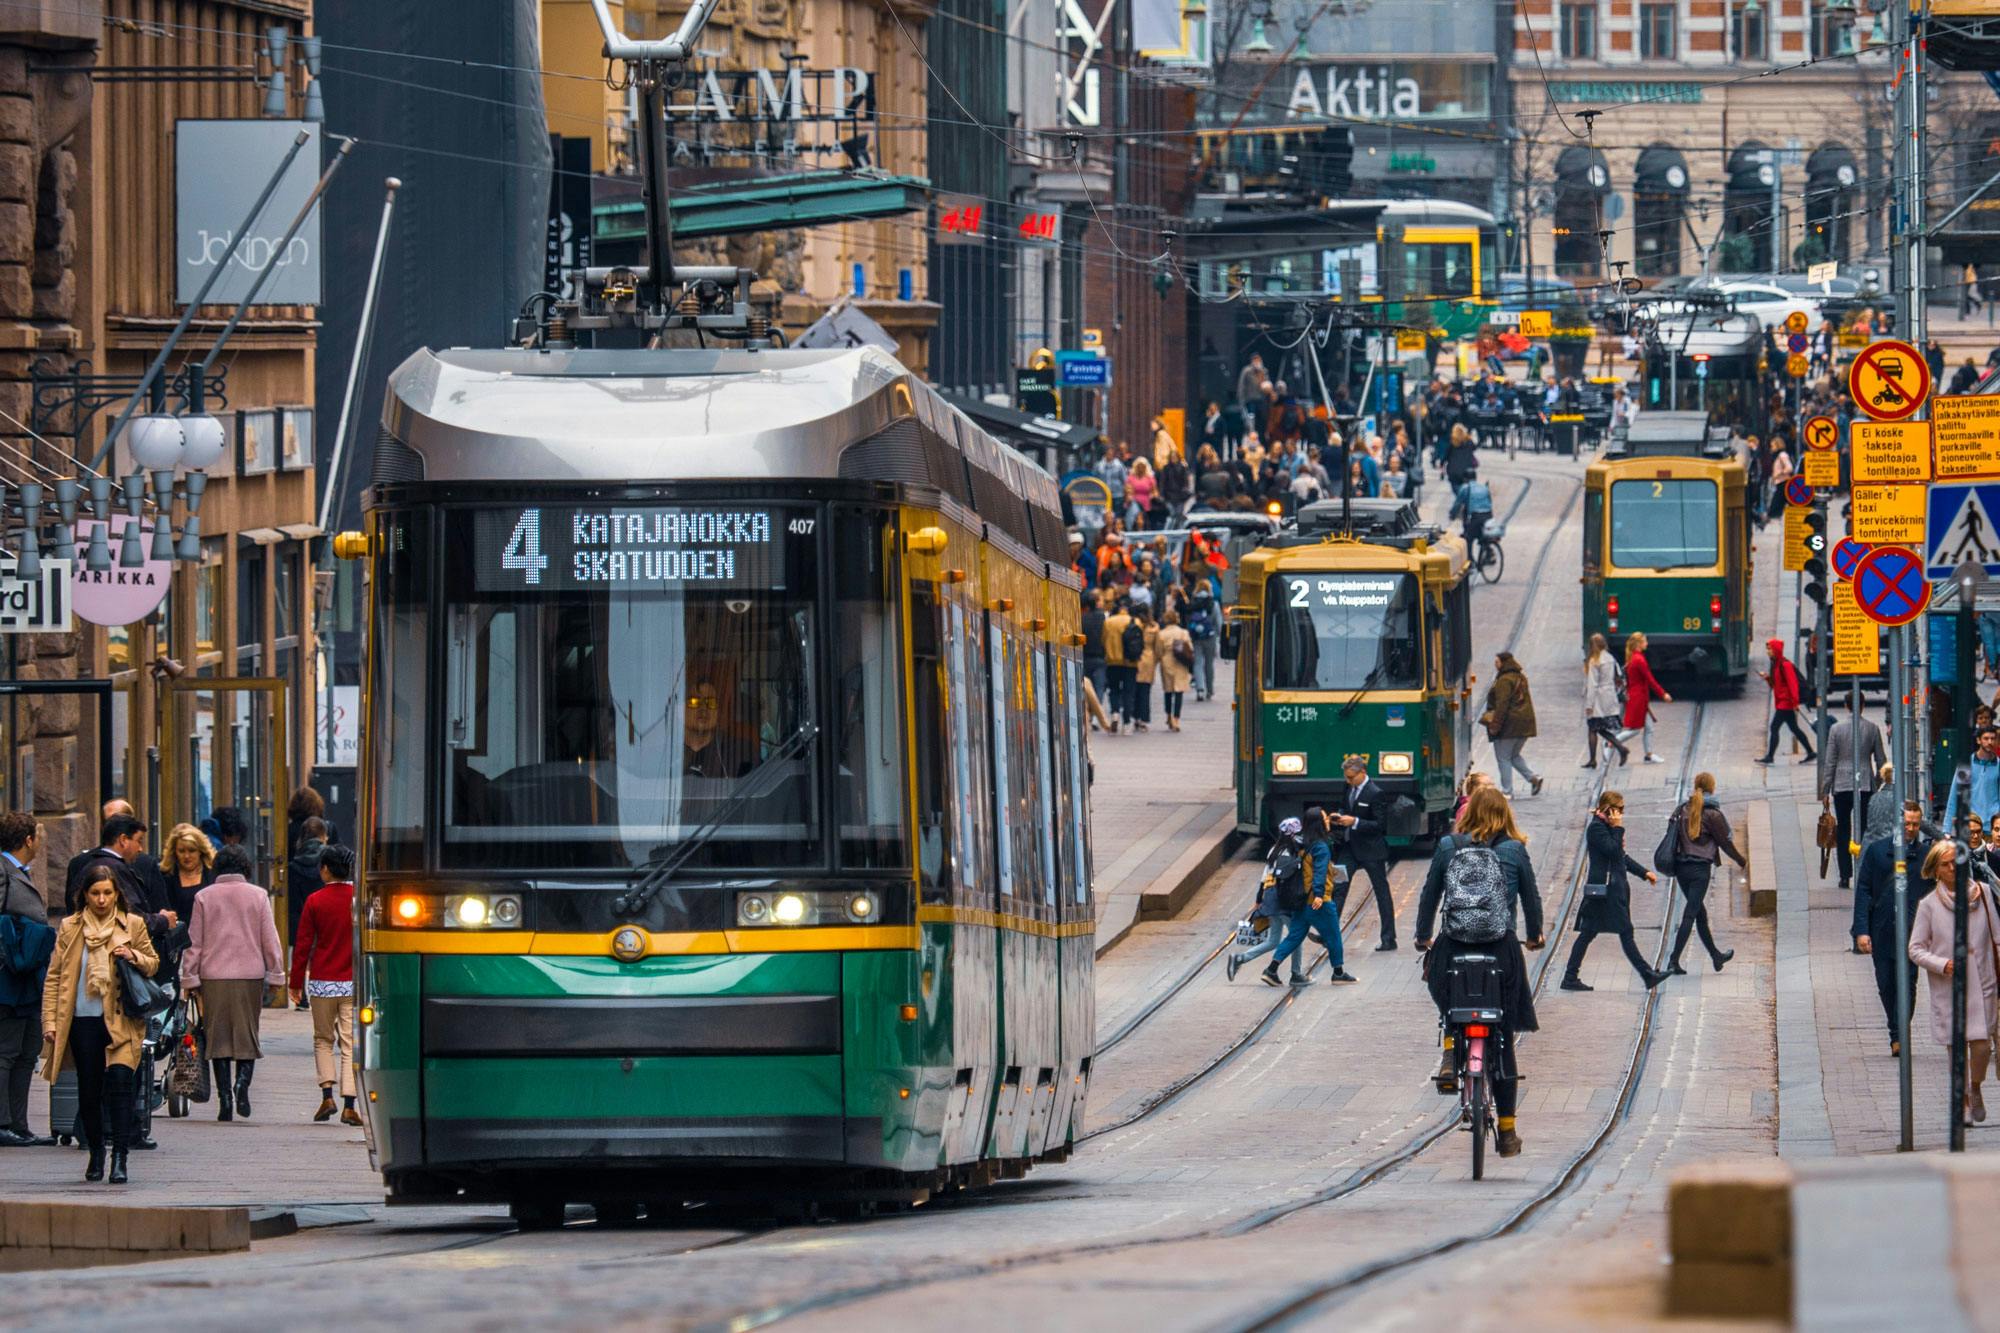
1796	365
1851	338
1888	514
1820	468
1857	640
1796	553
1796	322
1536	323
1891	450
1966	436
1411	340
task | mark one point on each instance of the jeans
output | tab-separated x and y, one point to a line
1507	754
1094	672
1204	667
1625	941
1142	700
1693	877
20	1048
1378	881
1849	810
333	1026
1629	732
1781	718
1172	701
1273	937
1322	919
1119	702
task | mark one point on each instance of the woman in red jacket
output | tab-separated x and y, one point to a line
1783	678
1641	688
323	970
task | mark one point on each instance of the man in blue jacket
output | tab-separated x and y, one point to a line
1983	794
25	942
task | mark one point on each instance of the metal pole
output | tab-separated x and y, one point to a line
1959	925
187	316
1777	209
1907	1141
360	354
1856	822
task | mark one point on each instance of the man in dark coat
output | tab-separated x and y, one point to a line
21	976
1358	814
1874	926
302	872
121	844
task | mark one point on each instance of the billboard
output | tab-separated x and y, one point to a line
220	167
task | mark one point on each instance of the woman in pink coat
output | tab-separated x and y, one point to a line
233	958
1931	936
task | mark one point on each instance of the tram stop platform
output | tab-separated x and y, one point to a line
1163	810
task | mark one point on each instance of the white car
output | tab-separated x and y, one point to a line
1771	303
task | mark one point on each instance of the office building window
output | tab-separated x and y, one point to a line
1656	33
1579	31
1746	32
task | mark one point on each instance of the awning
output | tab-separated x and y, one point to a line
1024	430
1580	168
1661	170
730	208
1746	173
1831	167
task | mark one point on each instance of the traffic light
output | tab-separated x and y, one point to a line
1815	570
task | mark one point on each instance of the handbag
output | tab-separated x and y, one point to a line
142	996
1599	890
1663	855
1826	836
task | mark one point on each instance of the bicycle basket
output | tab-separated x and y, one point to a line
1474	982
1493	531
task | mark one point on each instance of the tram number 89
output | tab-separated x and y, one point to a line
1691	622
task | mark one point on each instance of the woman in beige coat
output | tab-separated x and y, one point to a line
84	1023
1175	674
1142	679
1931	935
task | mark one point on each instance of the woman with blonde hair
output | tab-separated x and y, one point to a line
1601	705
84	1022
1932	931
1701	837
1641	688
188	863
1492	844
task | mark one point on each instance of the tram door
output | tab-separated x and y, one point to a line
223	744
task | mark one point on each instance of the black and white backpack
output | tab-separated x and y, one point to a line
1476	908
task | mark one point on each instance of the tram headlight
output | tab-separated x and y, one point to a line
412	910
752	910
1288	765
1395	762
809	907
789	910
862	907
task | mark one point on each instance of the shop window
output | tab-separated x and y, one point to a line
1656	33
257	443
208	603
1657	221
250	575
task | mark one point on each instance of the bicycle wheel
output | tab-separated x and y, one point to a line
1492	560
1477	1095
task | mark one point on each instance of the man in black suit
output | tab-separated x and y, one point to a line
1874	925
1364	847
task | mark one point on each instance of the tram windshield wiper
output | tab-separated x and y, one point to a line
1367	684
749	787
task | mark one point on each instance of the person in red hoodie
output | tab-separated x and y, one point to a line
1641	688
323	971
1783	678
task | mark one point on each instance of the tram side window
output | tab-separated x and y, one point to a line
935	751
1459	606
998	688
1343	631
868	794
1593	531
1079	780
399	744
1045	784
1664	523
967	724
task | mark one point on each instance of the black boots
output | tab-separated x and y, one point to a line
121	1089
244	1069
118	1176
222	1090
95	1169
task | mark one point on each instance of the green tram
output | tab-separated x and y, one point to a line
1666	548
724	788
1352	638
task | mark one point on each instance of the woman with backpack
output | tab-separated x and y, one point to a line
1601	704
1176	652
1479	874
1698	837
1641	688
1607	894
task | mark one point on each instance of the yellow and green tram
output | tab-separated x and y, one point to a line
724	795
1352	636
1666	548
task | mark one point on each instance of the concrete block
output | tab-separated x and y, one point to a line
24	1225
153	1230
89	1227
1731	1211
118	1229
1729	1291
230	1229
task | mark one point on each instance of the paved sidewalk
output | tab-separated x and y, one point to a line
1161	806
279	1157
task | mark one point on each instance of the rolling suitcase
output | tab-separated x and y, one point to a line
63	1122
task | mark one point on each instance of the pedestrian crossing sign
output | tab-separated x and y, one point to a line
1960	527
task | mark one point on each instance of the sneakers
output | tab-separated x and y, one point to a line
1269	976
1386	946
1507	1143
1342	977
1534	786
1300	980
1576	983
1765	762
1231	964
1654	759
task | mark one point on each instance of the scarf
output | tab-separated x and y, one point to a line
99	939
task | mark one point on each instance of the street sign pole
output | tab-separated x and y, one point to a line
1907	1141
1823	667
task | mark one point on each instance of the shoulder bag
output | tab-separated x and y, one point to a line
1826	836
1663	855
141	996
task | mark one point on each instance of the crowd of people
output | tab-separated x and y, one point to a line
76	954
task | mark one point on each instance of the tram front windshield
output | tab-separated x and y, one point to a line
1349	631
620	683
1664	523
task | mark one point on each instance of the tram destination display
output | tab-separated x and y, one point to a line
633	548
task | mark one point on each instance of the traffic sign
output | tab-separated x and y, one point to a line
1887	514
1820	468
1793	558
1889	380
1796	343
1821	274
1093	340
1890	586
1857	640
1536	323
1847	554
1963	429
1961	528
1796	323
1798	492
1083	370
1411	340
1815	542
1850	339
1891	450
1797	364
1823	432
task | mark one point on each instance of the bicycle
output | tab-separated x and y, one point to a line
1487	556
1472	1022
